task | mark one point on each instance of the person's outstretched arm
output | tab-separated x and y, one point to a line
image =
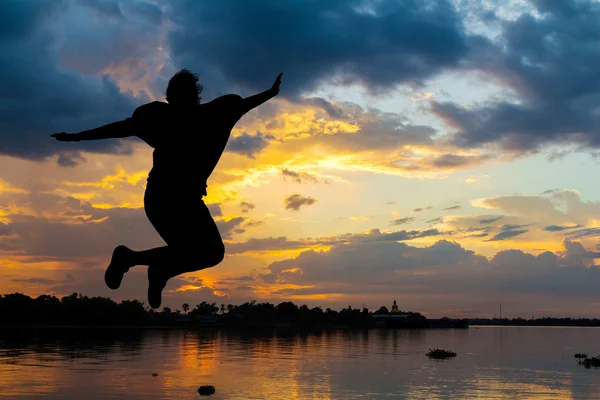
256	100
119	129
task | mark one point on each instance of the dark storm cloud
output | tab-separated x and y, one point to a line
551	64
377	43
295	201
40	97
53	57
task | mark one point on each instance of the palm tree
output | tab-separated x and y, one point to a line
185	307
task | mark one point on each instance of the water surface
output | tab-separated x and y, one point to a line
117	363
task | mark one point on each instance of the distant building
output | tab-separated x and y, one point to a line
394	316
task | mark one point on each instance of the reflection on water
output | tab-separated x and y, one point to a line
116	363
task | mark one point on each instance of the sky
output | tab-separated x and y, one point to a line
439	153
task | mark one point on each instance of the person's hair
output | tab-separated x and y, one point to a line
184	88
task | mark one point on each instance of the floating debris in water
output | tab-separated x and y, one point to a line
590	362
440	354
206	390
154	374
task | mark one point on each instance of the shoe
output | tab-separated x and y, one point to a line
156	284
117	267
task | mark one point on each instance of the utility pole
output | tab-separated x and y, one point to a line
500	310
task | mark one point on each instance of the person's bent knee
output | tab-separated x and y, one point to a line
217	255
205	259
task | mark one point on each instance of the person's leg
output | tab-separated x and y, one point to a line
188	254
193	243
187	257
185	251
124	258
158	205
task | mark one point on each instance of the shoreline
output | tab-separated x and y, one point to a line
297	328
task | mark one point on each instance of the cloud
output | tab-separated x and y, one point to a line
299	177
246	206
231	227
42	91
214	209
477	235
265	244
372	235
491	220
402	221
558	228
550	191
444	270
41	281
416	210
539	59
317	41
560	208
528	206
4	229
454	161
249	145
295	201
586	232
507	234
72	159
68	229
453	208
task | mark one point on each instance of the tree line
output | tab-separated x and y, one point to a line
77	309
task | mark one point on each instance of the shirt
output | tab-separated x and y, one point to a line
188	141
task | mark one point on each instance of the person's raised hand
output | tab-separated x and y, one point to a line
65	137
275	87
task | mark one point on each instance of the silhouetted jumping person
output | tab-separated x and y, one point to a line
188	138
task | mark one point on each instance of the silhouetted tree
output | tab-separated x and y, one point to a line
205	308
185	307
